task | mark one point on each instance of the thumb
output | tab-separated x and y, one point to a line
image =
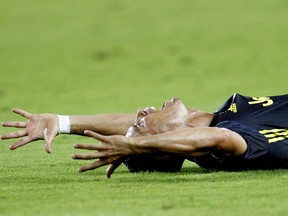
111	168
97	136
49	137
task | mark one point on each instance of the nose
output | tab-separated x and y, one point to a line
141	113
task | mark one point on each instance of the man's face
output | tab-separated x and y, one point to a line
150	121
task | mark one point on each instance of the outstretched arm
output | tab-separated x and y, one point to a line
46	126
106	124
190	142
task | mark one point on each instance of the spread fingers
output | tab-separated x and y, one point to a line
22	112
20	143
92	166
14	124
13	135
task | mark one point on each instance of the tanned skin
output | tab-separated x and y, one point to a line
171	129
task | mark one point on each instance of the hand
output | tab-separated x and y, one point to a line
112	151
37	127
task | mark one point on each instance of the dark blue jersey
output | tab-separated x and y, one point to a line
263	123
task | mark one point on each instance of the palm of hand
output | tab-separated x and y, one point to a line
112	151
37	127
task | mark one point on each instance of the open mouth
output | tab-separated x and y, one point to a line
144	112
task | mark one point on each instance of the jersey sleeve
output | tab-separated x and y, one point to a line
257	154
257	144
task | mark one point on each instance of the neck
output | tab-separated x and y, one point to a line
196	118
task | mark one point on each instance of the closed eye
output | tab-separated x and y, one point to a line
141	122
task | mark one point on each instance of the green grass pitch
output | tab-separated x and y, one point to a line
111	56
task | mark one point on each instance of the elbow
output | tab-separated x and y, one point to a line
230	143
216	137
222	135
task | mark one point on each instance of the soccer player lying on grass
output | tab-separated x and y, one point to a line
245	133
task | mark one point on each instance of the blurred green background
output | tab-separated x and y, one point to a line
119	55
103	56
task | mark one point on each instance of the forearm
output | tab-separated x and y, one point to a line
185	142
106	124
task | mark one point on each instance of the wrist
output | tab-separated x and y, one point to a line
140	145
64	124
